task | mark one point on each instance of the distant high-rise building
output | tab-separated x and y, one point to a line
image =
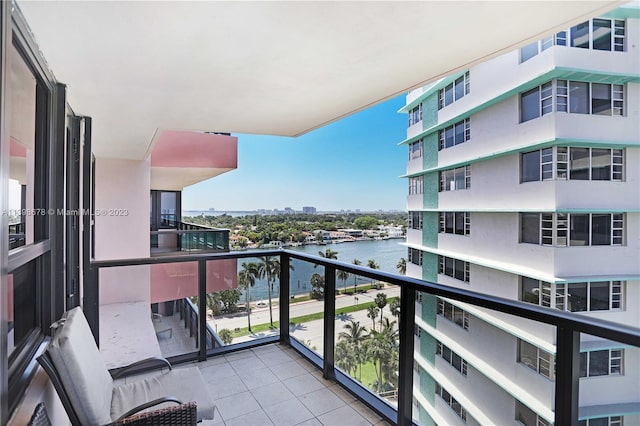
523	183
309	210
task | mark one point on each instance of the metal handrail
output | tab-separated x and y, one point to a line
568	325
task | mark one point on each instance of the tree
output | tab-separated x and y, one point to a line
247	279
317	284
214	303
345	357
373	265
381	302
226	336
366	222
355	334
229	298
343	276
269	268
401	266
394	307
327	254
355	277
372	312
382	349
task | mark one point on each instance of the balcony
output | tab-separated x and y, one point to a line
187	237
284	349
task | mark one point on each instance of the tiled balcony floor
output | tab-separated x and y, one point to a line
274	385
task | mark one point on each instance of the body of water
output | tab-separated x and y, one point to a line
385	253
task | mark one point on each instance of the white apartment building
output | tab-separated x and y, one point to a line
524	183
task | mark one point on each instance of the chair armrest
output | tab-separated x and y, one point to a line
149	405
175	415
139	365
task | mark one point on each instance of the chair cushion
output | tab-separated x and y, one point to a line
185	384
81	369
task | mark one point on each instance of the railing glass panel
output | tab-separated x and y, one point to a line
307	292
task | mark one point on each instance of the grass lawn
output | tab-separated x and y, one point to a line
306	318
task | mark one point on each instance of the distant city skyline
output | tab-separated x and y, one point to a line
353	163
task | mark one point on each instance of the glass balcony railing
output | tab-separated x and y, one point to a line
16	235
359	327
187	237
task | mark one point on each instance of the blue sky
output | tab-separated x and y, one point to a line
353	163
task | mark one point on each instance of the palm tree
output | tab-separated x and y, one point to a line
355	333
372	312
381	302
394	307
373	265
346	357
317	286
401	266
327	254
343	276
269	268
383	345
355	277
247	279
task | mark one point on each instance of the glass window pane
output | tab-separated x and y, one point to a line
459	219
579	163
530	290
601	99
600	164
579	232
459	88
459	176
601	229
22	304
448	94
459	133
578	97
459	270
448	137
577	297
602	34
528	51
583	364
531	166
530	105
599	363
530	228
449	222
448	266
580	35
599	296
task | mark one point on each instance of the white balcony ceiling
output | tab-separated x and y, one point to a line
280	68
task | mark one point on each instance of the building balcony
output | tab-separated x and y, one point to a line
262	371
183	237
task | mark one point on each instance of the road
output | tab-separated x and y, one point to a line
312	331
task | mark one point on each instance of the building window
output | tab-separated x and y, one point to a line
605	362
415	256
455	134
415	115
419	296
415	220
535	291
589	296
455	179
575	97
454	268
597	34
451	402
454	91
528	417
417	331
453	313
415	150
536	359
455	223
572	229
451	357
602	421
572	163
416	185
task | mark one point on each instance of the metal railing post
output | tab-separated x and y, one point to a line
328	370
405	366
567	376
284	298
202	310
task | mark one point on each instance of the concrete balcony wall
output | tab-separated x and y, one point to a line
414	129
415	165
414	201
414	236
122	185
